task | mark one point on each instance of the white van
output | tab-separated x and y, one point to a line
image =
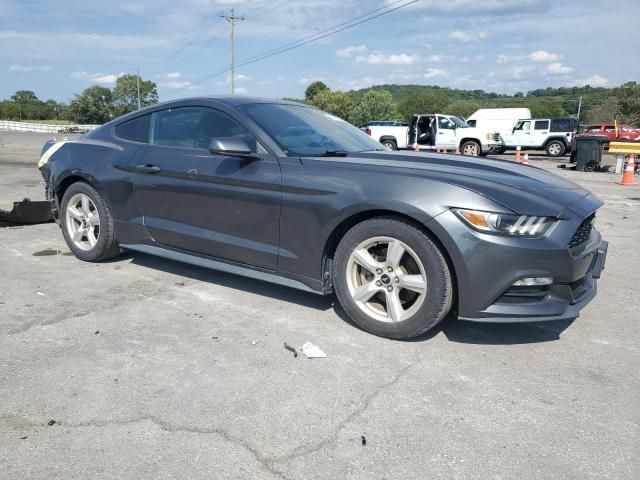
498	119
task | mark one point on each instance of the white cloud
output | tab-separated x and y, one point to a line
434	73
174	75
543	56
502	59
79	75
16	68
517	73
467	37
107	79
240	77
176	84
558	68
310	80
594	80
350	52
379	58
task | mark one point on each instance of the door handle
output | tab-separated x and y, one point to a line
147	168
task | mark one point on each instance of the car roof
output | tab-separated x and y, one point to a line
236	100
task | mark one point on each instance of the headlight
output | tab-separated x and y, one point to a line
505	223
489	136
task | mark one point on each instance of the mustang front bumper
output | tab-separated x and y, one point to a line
487	267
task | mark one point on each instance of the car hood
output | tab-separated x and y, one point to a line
522	188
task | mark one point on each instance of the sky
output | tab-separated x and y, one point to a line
58	49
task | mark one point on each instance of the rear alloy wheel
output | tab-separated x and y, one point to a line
391	279
555	148
87	224
471	148
389	145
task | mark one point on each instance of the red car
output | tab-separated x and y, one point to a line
625	132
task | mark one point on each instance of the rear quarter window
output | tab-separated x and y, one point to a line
136	130
562	125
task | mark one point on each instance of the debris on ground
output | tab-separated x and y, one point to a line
364	439
96	332
313	351
51	423
179	284
255	342
27	212
41	294
47	252
291	349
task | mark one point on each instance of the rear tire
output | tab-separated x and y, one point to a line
87	224
391	278
556	148
389	145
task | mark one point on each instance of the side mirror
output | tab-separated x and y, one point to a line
230	146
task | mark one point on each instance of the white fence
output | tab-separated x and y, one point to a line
39	127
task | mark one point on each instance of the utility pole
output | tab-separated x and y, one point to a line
232	19
579	108
138	82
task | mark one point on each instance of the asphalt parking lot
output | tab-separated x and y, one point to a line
143	368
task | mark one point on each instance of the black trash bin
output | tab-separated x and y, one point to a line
588	152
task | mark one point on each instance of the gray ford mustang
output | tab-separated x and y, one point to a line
289	194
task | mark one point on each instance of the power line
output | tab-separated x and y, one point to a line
311	38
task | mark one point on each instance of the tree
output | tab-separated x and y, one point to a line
604	112
314	89
94	105
628	95
336	103
518	95
376	104
24	96
427	102
547	109
125	94
462	108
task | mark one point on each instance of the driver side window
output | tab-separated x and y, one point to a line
194	127
445	123
526	126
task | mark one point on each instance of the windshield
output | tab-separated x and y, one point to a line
459	122
304	131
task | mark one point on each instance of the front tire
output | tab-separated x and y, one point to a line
392	279
87	224
471	148
555	148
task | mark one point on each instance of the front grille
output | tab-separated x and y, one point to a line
583	233
496	137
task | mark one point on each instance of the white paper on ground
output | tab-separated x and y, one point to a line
312	351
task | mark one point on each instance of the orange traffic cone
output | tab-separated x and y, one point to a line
627	176
525	160
518	154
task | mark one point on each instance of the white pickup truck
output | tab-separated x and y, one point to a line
438	131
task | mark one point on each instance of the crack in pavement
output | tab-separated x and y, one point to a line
264	462
302	451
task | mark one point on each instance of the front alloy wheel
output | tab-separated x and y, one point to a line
386	279
391	278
